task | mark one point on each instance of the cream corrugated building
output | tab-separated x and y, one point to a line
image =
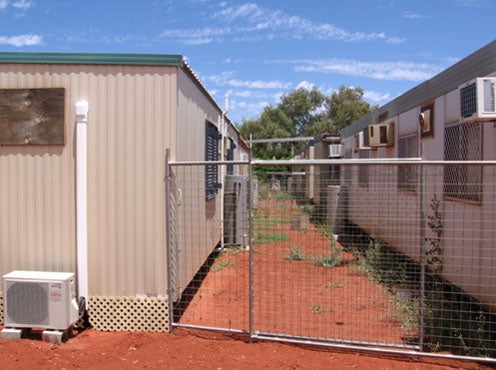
141	107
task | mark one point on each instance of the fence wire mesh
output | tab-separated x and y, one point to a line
395	256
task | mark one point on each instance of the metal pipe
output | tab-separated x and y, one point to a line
422	254
82	198
168	212
250	244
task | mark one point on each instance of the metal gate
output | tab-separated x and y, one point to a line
389	255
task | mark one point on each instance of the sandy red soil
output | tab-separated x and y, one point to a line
195	349
295	298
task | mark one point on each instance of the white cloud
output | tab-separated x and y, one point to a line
226	79
22	4
200	36
21	40
376	97
410	15
3	4
402	71
470	3
251	22
253	94
306	85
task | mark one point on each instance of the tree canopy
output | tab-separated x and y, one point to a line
304	112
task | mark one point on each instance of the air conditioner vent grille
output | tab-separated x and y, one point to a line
468	97
27	303
489	95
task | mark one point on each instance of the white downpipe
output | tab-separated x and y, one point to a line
82	197
223	171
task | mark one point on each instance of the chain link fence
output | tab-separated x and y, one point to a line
391	255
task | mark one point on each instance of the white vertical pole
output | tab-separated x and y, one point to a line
82	197
223	131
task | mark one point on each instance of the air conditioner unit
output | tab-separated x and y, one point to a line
236	210
381	134
478	99
39	299
335	150
361	141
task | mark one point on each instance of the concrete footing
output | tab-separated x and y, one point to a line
51	336
13	333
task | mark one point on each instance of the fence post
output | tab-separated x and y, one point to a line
168	214
422	252
250	242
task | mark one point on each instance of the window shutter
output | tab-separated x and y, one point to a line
211	154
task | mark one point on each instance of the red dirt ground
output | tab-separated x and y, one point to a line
350	307
195	349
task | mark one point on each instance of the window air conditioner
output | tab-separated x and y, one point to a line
361	140
335	150
39	299
381	134
478	99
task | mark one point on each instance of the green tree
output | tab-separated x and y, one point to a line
304	112
304	107
345	106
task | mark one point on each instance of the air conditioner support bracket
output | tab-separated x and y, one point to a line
51	336
13	333
56	336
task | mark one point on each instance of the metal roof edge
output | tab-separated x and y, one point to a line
445	81
91	58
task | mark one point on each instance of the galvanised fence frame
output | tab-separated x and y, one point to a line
389	255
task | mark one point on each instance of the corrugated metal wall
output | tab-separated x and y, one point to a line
131	123
201	217
132	111
37	218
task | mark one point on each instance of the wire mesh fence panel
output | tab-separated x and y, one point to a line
315	274
386	256
210	259
397	255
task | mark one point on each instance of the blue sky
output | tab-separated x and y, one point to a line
255	51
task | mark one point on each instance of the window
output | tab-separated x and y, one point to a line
462	142
407	173
426	119
211	154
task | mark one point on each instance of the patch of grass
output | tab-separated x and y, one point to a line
406	312
222	265
295	254
264	237
329	261
232	251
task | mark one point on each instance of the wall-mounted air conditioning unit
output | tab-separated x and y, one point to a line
361	141
381	134
39	299
335	150
236	210
478	99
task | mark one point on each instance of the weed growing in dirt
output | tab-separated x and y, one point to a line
222	265
405	310
316	308
452	320
334	258
329	261
225	258
436	225
295	254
